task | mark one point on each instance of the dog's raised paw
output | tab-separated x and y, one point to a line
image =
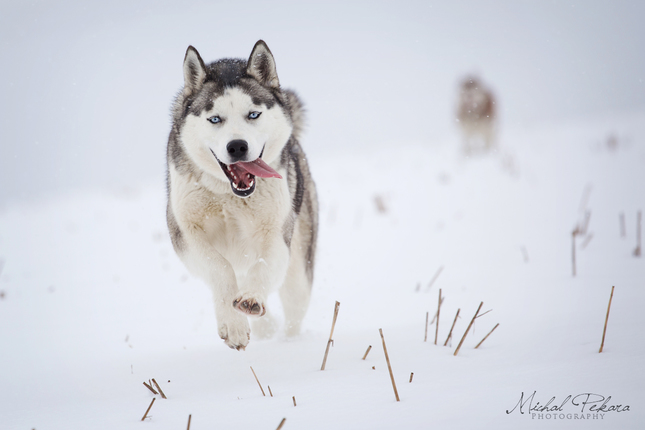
235	336
249	306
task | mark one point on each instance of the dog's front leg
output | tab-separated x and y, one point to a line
263	277
205	262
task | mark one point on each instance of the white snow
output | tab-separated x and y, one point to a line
95	302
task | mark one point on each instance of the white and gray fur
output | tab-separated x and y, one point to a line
476	115
243	246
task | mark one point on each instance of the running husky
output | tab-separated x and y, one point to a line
242	207
476	115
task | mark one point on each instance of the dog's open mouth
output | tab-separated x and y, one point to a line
242	175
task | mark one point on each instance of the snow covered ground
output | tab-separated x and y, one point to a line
93	301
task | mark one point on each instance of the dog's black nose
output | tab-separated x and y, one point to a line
237	149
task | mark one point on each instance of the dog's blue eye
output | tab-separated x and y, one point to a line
254	115
215	119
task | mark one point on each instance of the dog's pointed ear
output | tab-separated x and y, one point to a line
194	71
261	66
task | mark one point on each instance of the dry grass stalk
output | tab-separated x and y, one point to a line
281	423
389	367
637	251
411	376
573	252
148	410
258	381
163	396
294	401
435	314
585	242
486	337
621	217
367	352
189	418
331	334
434	278
269	387
425	338
468	329
150	388
451	328
604	330
436	331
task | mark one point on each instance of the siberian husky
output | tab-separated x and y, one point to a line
242	208
476	115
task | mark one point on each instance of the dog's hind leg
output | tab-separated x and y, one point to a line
296	290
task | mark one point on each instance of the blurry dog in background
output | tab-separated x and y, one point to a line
476	115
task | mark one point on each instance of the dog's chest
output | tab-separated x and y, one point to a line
242	229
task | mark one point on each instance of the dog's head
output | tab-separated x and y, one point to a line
234	124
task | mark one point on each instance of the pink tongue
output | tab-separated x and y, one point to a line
258	168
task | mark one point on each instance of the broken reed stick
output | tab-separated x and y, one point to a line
486	337
331	334
425	338
434	318
411	376
270	390
637	251
367	352
294	401
189	417
389	367
281	423
573	252
621	218
150	388
436	332
148	410
604	330
163	396
453	326
434	278
585	242
468	329
258	381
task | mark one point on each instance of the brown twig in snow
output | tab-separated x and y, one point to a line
434	318
281	423
637	251
573	252
270	390
468	329
486	337
453	326
150	388
330	341
189	418
367	352
436	332
148	410
389	367
294	401
163	396
585	242
604	330
258	381
411	376
434	278
425	338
